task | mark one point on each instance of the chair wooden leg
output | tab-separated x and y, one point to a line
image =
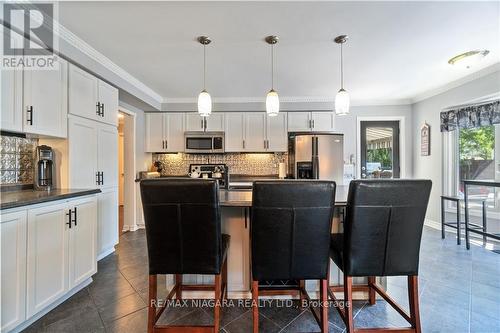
324	305
178	284
371	292
152	303
414	307
224	279
349	323
218	300
255	306
302	285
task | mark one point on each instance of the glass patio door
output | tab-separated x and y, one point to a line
380	149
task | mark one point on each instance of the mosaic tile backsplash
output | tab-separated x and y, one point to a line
238	163
17	160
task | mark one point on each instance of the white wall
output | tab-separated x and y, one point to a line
428	110
347	125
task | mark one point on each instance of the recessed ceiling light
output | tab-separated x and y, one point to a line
468	59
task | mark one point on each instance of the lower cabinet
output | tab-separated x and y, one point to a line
47	250
13	268
107	225
47	268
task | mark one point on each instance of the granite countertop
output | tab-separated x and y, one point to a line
243	198
14	199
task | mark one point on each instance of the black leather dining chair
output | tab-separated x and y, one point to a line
382	234
183	231
290	235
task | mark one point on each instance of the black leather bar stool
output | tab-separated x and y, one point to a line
183	230
382	235
290	235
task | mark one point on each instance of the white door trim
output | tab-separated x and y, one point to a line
402	143
129	197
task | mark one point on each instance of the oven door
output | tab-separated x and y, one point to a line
199	144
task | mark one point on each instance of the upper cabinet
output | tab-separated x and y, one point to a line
212	123
45	101
165	131
255	132
92	98
311	121
36	104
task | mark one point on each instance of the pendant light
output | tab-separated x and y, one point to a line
342	99
204	98
272	98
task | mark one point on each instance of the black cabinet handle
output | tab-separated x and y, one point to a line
202	124
97	178
74	216
102	177
98	108
166	144
163	144
29	110
102	110
68	214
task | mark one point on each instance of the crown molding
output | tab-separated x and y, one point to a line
101	59
288	99
457	83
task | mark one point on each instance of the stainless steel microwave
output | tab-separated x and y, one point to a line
204	142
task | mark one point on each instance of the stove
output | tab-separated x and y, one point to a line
220	172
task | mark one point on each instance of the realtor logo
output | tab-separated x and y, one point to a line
28	36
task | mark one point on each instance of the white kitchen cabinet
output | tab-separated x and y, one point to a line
47	252
11	103
82	93
13	268
194	122
174	123
107	221
310	121
215	122
165	132
212	123
91	98
107	155
299	121
234	129
82	240
322	121
255	131
93	154
45	101
155	139
276	133
108	97
82	141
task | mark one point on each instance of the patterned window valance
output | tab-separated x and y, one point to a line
471	116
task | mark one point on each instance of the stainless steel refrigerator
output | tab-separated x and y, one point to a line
316	156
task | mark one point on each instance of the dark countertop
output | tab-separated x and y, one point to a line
243	198
14	199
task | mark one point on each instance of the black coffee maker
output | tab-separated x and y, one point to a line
44	168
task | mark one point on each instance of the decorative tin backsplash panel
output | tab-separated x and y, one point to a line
17	160
238	163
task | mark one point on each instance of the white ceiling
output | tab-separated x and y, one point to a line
396	51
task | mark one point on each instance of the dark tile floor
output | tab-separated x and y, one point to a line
459	292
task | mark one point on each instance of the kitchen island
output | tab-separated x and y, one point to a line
235	215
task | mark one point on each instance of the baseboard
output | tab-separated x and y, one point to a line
105	253
132	227
433	224
52	306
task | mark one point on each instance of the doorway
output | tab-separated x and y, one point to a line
126	171
380	149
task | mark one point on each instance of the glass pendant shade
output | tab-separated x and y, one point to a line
204	104
342	102
272	103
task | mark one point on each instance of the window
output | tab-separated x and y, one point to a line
476	160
